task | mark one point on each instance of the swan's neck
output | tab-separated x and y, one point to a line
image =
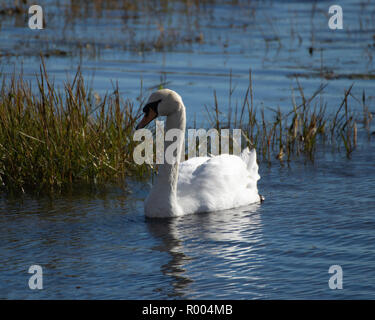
169	169
163	196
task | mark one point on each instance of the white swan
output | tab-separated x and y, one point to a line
201	184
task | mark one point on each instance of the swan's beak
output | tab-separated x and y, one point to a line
148	117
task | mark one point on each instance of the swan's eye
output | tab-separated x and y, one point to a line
151	105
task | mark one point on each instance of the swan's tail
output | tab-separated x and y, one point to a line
250	158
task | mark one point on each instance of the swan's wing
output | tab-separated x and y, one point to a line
217	183
187	168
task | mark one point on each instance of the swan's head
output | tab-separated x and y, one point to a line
161	103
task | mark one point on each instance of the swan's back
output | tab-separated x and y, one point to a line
218	183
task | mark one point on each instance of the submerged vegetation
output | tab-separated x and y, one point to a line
52	140
64	36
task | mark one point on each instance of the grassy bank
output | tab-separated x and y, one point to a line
51	140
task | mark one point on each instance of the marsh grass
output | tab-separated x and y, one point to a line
52	140
299	132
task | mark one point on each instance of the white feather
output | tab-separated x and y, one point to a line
218	183
201	184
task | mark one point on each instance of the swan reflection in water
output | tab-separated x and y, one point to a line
216	244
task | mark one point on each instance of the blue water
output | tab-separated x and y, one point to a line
98	245
102	247
272	38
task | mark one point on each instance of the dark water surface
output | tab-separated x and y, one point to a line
99	246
